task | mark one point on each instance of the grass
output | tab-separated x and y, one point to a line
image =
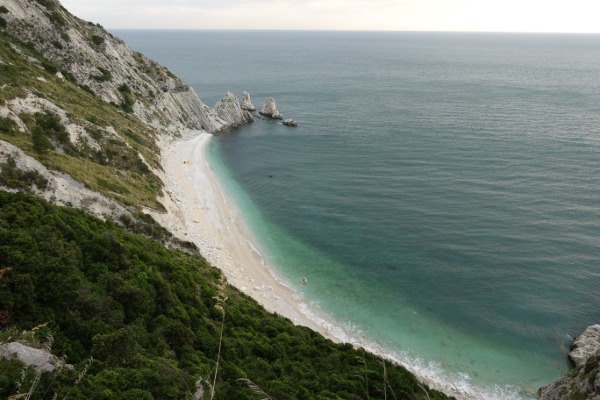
117	171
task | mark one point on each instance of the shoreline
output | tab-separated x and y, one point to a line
198	211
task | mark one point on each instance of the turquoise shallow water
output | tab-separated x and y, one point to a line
441	195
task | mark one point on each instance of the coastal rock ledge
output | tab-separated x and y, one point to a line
270	109
586	345
584	381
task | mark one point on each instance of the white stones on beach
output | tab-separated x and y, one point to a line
270	109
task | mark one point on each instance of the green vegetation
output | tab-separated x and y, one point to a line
137	320
40	141
15	178
105	75
156	321
97	40
116	170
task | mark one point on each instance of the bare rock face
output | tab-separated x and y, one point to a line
230	111
105	65
586	345
290	122
584	381
40	359
270	109
247	103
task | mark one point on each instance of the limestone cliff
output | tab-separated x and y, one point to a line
106	66
105	111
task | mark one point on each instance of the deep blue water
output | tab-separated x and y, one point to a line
442	194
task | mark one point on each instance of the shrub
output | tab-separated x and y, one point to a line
97	40
7	125
40	141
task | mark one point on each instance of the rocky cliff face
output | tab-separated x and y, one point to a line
584	381
105	112
106	66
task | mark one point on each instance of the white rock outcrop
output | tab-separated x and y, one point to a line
62	189
109	68
270	109
586	345
38	358
247	102
230	111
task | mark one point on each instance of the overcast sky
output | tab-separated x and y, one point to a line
400	15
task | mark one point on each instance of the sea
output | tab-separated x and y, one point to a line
441	194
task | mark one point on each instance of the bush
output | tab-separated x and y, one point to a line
3	23
105	75
97	40
40	141
148	315
7	125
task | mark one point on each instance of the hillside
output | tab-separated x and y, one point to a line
84	271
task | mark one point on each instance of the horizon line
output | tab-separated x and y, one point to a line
353	30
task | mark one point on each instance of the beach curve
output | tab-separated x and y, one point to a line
199	211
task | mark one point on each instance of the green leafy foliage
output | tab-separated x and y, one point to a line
105	75
7	125
150	317
97	40
40	141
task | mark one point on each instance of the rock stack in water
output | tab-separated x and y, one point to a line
270	109
231	112
584	381
247	103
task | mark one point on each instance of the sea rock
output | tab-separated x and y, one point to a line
230	111
40	359
270	109
290	122
584	381
586	345
247	103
